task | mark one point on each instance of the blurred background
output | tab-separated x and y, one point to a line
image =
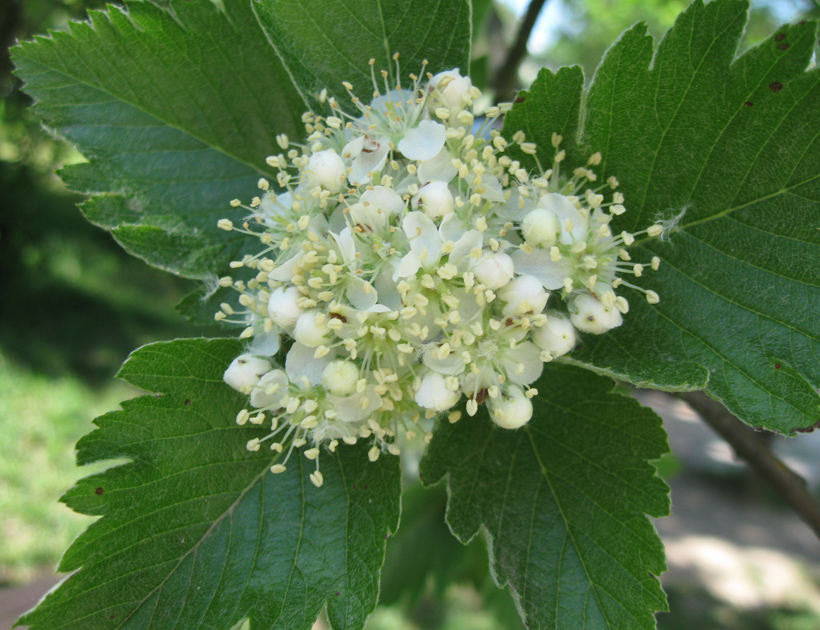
73	305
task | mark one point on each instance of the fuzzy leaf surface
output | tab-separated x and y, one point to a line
325	43
563	502
175	108
735	142
197	533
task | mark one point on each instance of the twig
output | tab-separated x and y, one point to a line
788	484
505	79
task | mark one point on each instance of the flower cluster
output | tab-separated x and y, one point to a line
409	261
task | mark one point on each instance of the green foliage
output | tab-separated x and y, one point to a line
733	143
177	104
172	130
321	47
197	533
563	502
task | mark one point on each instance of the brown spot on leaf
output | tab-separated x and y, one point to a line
99	491
783	46
748	104
338	593
519	99
775	86
777	366
364	486
187	401
780	37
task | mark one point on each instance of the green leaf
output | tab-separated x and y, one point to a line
325	43
176	109
197	533
734	143
563	501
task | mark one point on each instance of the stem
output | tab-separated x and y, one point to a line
506	78
749	447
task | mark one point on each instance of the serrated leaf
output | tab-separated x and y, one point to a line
325	43
563	502
735	143
175	108
196	532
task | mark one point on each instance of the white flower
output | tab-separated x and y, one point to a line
434	394
327	169
557	336
282	306
524	295
412	267
452	86
588	314
435	199
245	371
495	271
369	156
511	411
271	389
541	227
340	377
311	329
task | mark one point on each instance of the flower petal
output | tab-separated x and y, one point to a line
437	169
423	142
525	354
424	238
300	362
539	264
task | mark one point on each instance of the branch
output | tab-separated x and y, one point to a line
754	451
506	78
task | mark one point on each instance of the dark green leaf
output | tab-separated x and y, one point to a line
197	533
323	44
176	109
735	143
563	502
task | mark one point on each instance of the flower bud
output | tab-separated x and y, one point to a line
495	271
587	314
454	87
541	227
524	295
433	393
435	199
245	371
557	336
328	170
282	306
340	377
511	411
310	332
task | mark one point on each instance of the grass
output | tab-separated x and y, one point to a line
40	420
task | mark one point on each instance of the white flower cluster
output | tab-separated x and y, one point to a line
409	262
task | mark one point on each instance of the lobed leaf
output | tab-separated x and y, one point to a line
735	143
197	533
175	109
563	502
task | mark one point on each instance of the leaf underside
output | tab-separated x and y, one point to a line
196	532
563	502
735	142
176	109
